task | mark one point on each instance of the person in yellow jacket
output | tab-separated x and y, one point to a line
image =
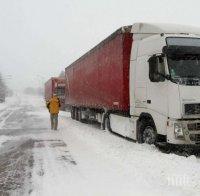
54	106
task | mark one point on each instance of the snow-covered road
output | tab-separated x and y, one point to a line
82	160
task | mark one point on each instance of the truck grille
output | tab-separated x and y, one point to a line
193	126
195	137
192	109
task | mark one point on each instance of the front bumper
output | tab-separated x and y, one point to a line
191	132
184	149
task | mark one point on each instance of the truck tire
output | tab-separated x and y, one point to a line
148	133
107	124
79	114
72	113
75	113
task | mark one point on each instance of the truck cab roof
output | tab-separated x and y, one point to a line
158	28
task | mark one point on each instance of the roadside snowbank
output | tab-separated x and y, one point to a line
115	166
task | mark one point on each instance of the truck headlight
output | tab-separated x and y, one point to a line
178	131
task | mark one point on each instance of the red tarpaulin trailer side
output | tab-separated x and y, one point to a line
100	78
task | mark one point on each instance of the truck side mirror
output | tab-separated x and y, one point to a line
156	69
165	49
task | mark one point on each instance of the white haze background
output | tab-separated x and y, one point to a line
39	38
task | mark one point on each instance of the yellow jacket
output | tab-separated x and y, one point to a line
53	105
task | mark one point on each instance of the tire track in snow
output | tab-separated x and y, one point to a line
5	116
53	164
14	164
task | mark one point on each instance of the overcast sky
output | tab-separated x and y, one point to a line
39	38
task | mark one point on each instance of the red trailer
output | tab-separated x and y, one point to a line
99	80
55	85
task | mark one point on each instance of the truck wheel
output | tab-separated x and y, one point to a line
79	114
148	133
72	113
75	113
107	124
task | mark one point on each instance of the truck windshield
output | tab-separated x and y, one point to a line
184	60
60	91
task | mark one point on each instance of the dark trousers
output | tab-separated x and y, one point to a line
54	121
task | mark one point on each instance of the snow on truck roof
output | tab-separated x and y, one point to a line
157	28
60	79
145	28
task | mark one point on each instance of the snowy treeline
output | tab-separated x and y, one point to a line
3	89
62	74
34	91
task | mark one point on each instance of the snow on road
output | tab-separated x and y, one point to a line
115	166
82	160
3	139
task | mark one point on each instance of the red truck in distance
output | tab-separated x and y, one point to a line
55	85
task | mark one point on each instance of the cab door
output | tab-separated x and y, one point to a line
141	84
157	91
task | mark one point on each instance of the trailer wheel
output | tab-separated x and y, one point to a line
107	124
72	113
79	113
148	133
75	113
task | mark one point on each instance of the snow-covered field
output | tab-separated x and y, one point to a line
82	160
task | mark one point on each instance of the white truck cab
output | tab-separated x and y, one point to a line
165	83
